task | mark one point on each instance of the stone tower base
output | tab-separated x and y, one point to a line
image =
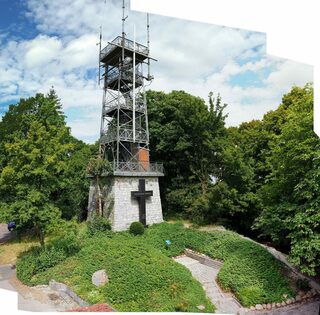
120	207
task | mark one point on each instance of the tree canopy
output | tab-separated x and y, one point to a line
260	178
39	165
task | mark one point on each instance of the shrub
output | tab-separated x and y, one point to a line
69	244
49	257
136	228
36	260
98	224
26	268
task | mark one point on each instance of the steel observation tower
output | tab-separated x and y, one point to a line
124	133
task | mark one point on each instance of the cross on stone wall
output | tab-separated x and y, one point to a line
141	195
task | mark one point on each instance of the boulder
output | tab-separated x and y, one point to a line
100	278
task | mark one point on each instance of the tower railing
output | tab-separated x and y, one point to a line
127	75
125	134
124	103
138	167
126	43
127	104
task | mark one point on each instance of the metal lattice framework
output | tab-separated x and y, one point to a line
124	134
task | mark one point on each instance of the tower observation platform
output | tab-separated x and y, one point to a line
132	191
124	133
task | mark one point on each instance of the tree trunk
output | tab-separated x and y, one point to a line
99	197
41	237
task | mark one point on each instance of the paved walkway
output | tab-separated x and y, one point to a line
206	275
5	235
36	299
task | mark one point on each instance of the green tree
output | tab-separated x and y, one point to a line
36	152
290	196
184	132
98	168
72	196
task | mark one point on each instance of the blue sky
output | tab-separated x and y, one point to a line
53	43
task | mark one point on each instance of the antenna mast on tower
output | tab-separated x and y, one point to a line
148	45
124	135
123	18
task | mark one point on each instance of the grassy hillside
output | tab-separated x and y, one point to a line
140	277
143	277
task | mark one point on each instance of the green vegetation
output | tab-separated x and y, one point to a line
136	228
42	178
97	168
249	271
143	277
259	179
98	224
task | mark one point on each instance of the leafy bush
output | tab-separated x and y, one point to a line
136	228
37	260
26	268
98	224
48	258
69	244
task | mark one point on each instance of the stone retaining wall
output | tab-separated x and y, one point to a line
61	287
203	259
310	307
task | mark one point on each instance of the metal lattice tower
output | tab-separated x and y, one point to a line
124	134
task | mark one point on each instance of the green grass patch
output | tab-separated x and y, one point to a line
140	277
143	276
249	271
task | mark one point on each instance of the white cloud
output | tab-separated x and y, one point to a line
40	51
194	57
290	73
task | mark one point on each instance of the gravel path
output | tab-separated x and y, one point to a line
206	275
